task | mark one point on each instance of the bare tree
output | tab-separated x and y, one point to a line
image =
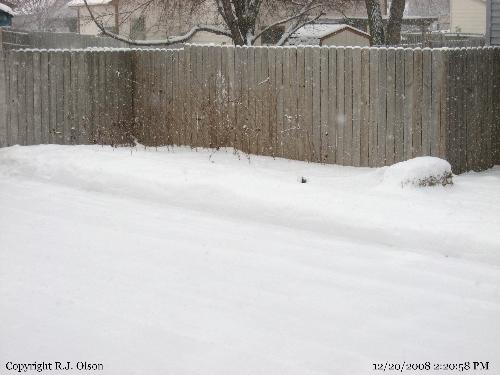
240	19
376	24
44	15
395	20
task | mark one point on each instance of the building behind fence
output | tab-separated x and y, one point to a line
349	106
441	40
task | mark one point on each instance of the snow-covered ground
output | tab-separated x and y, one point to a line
183	262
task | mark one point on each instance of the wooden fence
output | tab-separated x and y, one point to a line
349	106
440	40
18	39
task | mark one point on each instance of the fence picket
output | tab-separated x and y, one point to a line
348	102
356	107
3	98
399	106
365	107
374	105
391	107
341	119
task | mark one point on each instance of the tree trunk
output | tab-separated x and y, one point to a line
395	19
375	22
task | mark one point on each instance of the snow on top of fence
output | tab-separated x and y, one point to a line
93	49
194	45
80	3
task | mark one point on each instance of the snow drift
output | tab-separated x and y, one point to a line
421	171
187	262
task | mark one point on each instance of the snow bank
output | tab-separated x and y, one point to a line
421	171
183	262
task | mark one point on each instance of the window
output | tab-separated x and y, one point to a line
138	28
273	35
72	24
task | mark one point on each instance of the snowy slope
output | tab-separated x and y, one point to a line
182	262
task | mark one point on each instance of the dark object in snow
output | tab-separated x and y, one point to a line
303	180
419	172
444	179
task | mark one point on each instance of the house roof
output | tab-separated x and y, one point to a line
7	9
322	30
80	3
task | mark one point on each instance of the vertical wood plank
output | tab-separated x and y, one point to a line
357	105
68	133
273	95
280	72
193	89
53	79
266	146
374	103
332	105
324	104
37	100
287	121
84	95
408	105
452	144
435	102
478	98
45	97
13	127
172	121
316	98
252	130
21	103
292	96
417	107
239	107
182	97
229	113
77	98
365	107
177	100
3	99
301	134
29	100
463	86
341	93
231	84
382	107
391	107
399	106
244	107
426	101
259	92
162	125
489	79
348	90
308	107
444	105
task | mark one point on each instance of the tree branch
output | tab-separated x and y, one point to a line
293	28
306	9
165	42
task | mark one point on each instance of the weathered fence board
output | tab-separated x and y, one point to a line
3	102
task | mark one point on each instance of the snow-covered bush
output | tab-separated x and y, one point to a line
421	171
